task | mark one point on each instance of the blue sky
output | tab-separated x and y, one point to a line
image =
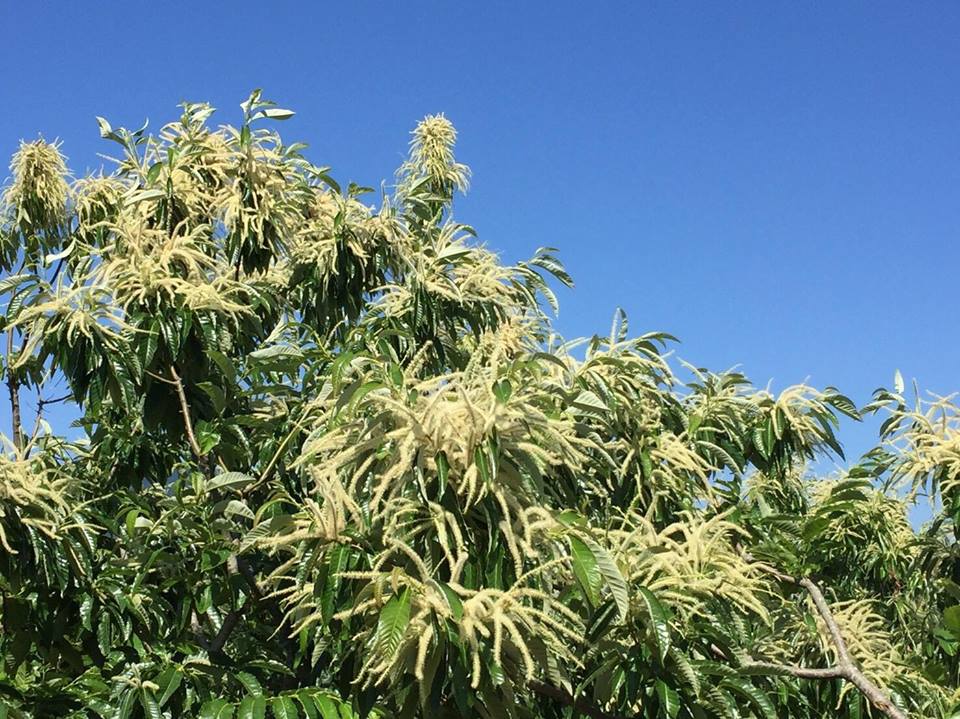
776	184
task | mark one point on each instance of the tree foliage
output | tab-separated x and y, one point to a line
329	458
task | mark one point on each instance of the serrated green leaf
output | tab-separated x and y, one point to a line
755	696
305	697
284	708
326	707
213	709
230	480
250	683
612	576
585	569
659	621
252	708
171	684
392	624
951	619
669	700
126	704
149	703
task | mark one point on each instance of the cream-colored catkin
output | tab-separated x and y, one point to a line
423	646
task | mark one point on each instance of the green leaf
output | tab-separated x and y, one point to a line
305	697
136	197
105	129
855	706
284	708
216	395
224	364
669	700
238	507
125	707
453	600
277	358
207	436
214	709
250	683
589	402
252	708
443	471
149	703
230	480
171	684
659	621
14	281
502	390
814	527
104	634
611	574
326	706
759	443
154	172
755	696
646	464
339	556
951	619
392	624
586	570
130	522
362	391
277	113
396	374
272	665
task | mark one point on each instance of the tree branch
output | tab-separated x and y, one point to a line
795	671
185	411
235	567
41	404
846	668
13	387
226	629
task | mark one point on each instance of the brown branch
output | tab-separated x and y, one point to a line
185	411
13	387
13	382
214	647
823	608
567	699
235	567
795	671
41	404
197	628
226	629
846	667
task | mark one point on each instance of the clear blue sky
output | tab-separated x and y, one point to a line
778	184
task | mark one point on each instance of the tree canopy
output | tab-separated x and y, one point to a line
322	454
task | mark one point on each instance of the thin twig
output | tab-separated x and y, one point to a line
185	411
41	403
13	387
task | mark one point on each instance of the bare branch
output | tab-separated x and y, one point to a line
821	604
795	671
13	387
185	411
846	668
41	404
